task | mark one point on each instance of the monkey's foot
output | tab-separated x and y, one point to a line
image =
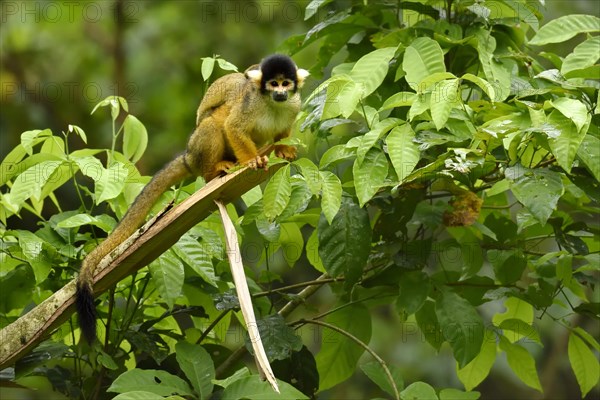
285	151
258	162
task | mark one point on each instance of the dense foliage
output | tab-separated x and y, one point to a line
451	179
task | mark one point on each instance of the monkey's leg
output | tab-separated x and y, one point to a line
283	150
244	148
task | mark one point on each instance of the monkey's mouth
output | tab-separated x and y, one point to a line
279	96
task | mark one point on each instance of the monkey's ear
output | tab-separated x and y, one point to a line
255	75
301	75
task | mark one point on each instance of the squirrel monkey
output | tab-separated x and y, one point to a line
238	114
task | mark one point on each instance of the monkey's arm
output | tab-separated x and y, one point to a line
172	173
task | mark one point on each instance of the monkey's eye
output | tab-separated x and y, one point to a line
285	83
273	83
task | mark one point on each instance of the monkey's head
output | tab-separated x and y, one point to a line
277	76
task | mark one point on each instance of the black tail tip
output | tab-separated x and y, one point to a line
86	311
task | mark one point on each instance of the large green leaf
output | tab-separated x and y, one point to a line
370	175
338	356
429	325
150	380
589	154
369	139
403	150
377	374
332	194
564	28
422	58
344	245
521	362
538	190
443	98
584	363
135	138
370	70
478	368
583	56
419	391
495	72
482	83
167	275
253	388
277	193
197	257
414	289
198	367
461	325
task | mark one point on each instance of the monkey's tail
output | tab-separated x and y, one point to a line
172	173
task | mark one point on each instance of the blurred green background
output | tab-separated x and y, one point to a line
58	59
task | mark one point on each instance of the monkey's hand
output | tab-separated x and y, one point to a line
258	162
286	152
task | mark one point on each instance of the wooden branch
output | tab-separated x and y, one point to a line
149	242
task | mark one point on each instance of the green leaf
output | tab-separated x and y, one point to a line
376	373
521	362
111	182
573	109
370	175
150	380
197	256
455	394
369	139
400	99
253	388
78	131
278	338
342	244
312	252
479	368
418	391
538	190
443	98
495	72
226	65
198	367
516	329
461	325
508	264
588	338
482	83
343	94
332	194
31	138
336	361
422	58
138	395
30	182
414	289
135	138
584	55
335	154
208	65
584	363
103	222
404	152
564	139
277	193
167	275
515	309
429	325
564	28
371	69
310	172
589	154
291	242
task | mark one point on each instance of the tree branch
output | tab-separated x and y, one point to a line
149	242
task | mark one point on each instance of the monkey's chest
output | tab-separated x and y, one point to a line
266	128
